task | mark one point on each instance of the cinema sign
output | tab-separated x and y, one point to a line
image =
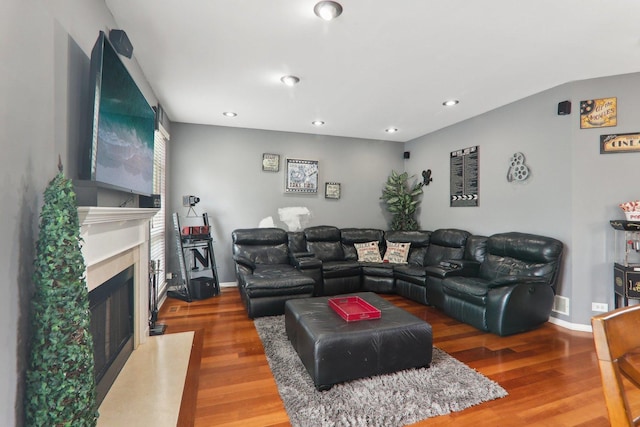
621	143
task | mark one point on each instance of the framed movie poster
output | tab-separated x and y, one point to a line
598	113
270	162
301	176
332	190
464	177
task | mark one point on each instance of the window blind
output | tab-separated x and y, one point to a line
157	226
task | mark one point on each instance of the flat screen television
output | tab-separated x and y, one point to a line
120	151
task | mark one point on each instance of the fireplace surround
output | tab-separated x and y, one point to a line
111	307
115	240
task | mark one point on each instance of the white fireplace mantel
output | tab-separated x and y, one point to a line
95	215
110	231
114	239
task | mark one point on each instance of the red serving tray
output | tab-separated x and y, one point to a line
353	309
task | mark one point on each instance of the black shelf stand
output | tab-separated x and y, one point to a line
198	270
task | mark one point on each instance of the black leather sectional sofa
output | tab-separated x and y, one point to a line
504	283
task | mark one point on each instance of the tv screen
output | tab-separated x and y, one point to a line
121	149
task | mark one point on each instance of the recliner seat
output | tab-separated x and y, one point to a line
340	274
266	276
514	288
430	250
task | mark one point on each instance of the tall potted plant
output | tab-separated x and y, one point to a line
60	386
402	200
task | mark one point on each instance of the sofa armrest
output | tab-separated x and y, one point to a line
309	265
302	260
452	268
306	263
303	254
516	280
519	306
246	262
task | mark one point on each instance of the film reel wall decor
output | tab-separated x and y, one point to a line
518	170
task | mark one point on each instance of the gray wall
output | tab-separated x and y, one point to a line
599	182
541	204
45	53
573	191
27	162
223	166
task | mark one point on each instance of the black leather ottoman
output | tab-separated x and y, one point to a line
335	351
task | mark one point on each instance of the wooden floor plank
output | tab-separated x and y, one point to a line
551	373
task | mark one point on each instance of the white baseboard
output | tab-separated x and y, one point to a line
228	284
570	326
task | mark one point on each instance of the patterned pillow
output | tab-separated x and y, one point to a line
397	253
368	252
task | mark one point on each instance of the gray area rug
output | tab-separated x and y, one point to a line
397	399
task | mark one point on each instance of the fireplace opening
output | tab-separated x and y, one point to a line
111	307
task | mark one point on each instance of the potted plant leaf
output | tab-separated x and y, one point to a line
60	386
402	200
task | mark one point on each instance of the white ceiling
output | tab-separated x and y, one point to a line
382	63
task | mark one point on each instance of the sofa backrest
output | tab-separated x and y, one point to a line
297	243
419	240
476	248
324	241
261	245
350	236
446	244
522	254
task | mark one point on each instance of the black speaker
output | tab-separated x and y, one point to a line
152	201
407	154
203	288
121	43
564	108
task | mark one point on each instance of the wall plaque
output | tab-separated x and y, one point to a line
620	143
270	162
332	190
598	113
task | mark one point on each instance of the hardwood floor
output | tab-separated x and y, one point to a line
551	373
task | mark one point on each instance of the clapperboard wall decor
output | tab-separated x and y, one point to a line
464	177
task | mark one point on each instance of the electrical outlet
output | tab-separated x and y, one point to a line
169	276
599	307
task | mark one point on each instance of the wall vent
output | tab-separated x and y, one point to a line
561	305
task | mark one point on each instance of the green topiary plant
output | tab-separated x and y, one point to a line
402	201
60	386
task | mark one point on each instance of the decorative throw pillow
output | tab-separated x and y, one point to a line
397	253
368	252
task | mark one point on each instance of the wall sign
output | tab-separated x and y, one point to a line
301	176
464	177
598	113
270	162
332	190
620	143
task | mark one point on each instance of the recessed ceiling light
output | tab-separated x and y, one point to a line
450	102
317	123
391	130
229	114
327	10
290	80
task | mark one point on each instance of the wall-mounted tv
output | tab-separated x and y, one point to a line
120	152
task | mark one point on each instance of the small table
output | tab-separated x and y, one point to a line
333	350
